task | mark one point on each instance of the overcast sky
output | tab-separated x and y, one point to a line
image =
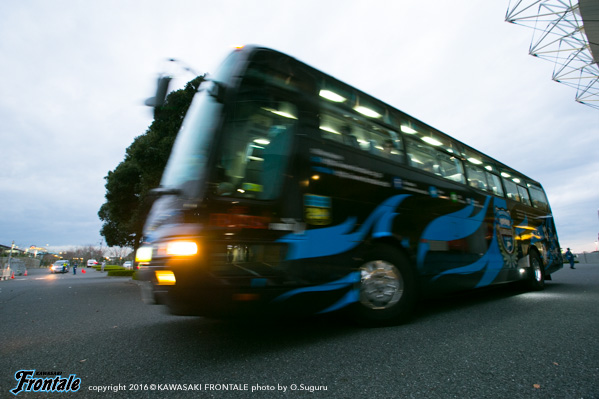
75	75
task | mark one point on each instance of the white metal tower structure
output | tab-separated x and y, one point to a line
565	32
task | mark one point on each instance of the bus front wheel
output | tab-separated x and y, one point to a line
387	288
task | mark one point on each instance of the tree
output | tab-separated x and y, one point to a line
83	253
128	185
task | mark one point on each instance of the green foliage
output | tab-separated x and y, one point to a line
108	268
128	185
121	273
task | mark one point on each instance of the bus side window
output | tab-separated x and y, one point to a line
524	198
331	128
252	160
494	184
419	157
348	137
476	177
386	144
511	190
451	167
362	134
539	200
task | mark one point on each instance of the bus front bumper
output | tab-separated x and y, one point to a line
218	297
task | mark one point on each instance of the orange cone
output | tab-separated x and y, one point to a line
25	273
12	275
83	271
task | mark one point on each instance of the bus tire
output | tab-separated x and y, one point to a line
387	288
536	274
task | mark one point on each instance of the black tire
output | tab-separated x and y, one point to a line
387	288
536	273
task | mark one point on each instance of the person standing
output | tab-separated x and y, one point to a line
103	264
75	267
570	258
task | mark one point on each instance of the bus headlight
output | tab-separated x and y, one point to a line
143	254
181	248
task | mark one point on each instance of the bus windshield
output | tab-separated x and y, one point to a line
255	144
186	167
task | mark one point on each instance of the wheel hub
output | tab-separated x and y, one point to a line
382	285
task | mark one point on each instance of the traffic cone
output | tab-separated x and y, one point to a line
12	276
25	273
82	270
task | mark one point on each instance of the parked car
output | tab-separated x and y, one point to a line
60	266
128	265
92	262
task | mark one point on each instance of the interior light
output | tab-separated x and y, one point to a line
516	180
284	114
332	96
407	129
329	129
280	113
431	141
262	141
315	177
367	111
181	248
489	168
475	161
503	174
165	277
143	254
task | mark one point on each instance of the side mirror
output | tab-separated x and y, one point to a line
161	89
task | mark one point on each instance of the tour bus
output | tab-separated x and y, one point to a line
288	191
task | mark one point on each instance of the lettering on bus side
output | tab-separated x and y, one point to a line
335	164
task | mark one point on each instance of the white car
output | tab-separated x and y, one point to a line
128	265
92	262
60	266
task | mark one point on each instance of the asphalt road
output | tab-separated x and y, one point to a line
498	343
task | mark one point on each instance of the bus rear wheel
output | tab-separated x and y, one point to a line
387	288
536	276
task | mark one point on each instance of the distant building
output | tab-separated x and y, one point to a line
36	251
5	251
